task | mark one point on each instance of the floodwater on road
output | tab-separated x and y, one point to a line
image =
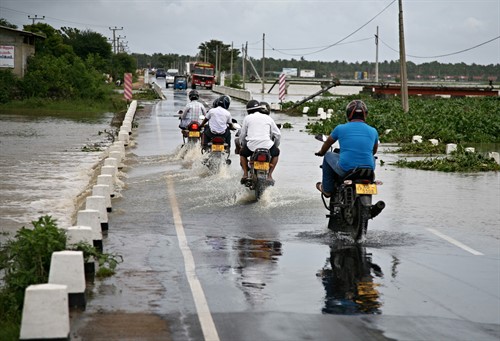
429	267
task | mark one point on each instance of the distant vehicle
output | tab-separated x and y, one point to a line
160	73
169	78
201	74
180	82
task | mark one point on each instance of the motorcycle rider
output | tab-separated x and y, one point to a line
358	145
192	111
219	121
252	106
258	131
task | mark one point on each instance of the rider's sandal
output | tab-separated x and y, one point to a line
319	187
243	180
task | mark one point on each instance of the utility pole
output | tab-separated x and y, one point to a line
231	62
118	43
376	56
217	61
114	36
36	17
402	61
244	60
263	60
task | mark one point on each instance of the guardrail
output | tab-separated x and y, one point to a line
157	89
244	95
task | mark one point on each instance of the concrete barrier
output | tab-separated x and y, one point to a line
495	156
98	202
416	139
243	95
117	155
78	234
66	267
111	161
158	91
109	170
106	179
470	149
45	313
91	218
124	136
103	190
450	148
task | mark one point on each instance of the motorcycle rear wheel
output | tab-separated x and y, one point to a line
352	221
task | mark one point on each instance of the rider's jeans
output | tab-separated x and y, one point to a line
330	167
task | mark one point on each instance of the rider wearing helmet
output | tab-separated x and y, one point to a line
219	120
258	131
265	108
358	143
193	110
252	106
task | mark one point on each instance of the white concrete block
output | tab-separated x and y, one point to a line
66	267
123	136
90	218
470	150
117	155
45	312
416	139
450	148
109	170
106	179
434	142
79	234
495	156
98	202
104	191
111	161
305	110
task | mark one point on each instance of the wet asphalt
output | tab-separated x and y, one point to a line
210	261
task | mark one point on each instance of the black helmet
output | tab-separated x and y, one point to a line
265	108
356	110
193	95
215	103
224	101
253	106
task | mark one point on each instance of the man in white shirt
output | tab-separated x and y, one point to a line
219	121
259	131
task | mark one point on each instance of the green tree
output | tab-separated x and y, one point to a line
208	50
4	22
87	43
122	63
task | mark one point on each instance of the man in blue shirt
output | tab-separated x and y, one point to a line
358	143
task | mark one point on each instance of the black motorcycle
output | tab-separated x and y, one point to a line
258	170
350	206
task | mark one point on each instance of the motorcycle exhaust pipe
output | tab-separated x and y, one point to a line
376	209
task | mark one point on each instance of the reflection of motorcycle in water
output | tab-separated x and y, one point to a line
256	260
258	170
348	281
351	206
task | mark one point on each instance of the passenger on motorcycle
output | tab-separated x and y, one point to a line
258	131
193	110
219	121
358	144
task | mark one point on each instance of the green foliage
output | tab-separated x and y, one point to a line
107	262
236	82
25	260
458	161
287	125
4	22
9	85
85	43
449	120
122	63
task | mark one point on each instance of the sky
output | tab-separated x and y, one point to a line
447	31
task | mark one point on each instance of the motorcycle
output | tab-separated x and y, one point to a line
192	133
218	151
350	206
258	170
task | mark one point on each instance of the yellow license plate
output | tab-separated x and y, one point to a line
217	147
259	165
194	134
366	189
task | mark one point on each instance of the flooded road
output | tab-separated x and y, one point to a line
204	261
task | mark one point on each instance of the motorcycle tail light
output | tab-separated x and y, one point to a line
218	140
262	157
194	126
365	181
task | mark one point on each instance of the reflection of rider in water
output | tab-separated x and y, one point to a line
349	283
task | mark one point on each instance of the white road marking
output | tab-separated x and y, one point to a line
455	242
204	316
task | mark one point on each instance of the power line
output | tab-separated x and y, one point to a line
341	40
444	55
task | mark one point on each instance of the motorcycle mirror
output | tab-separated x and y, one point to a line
236	125
278	125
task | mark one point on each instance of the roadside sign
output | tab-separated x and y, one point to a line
282	87
128	86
